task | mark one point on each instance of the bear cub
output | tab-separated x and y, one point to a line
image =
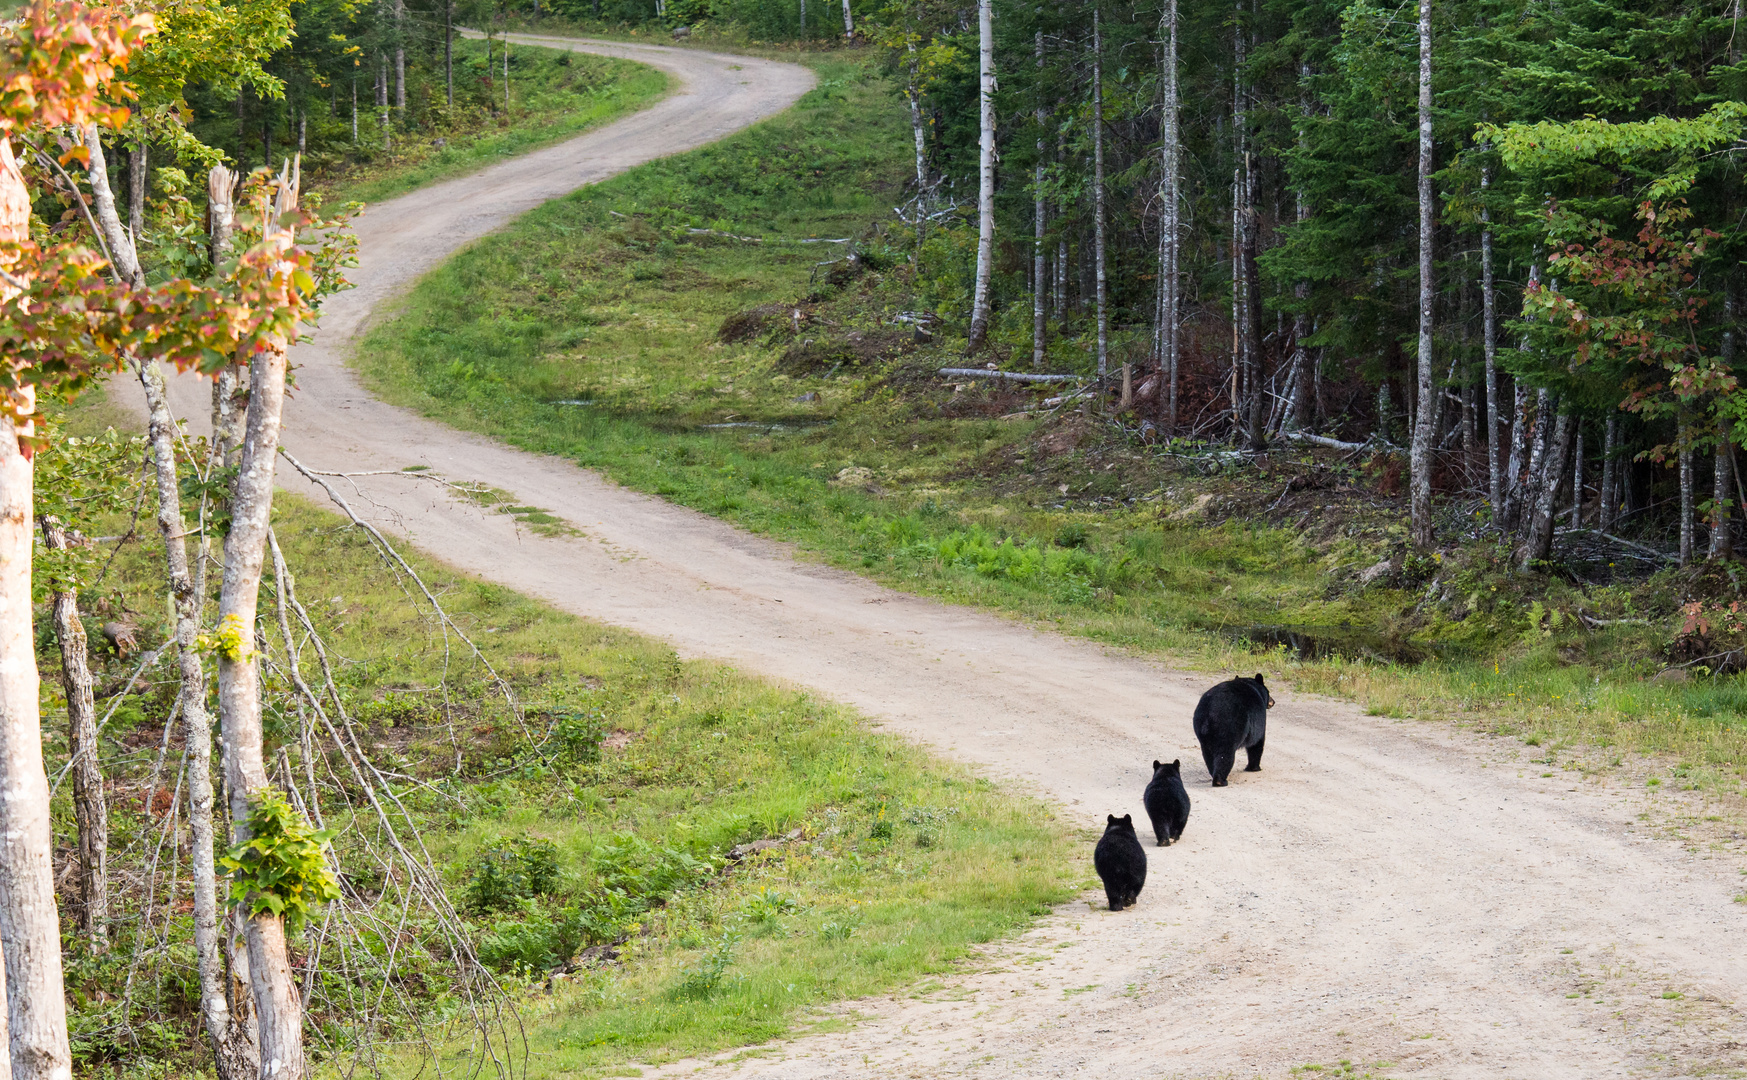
1167	802
1120	861
1230	717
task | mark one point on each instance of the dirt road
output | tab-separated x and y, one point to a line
1383	891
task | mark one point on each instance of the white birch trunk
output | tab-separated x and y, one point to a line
30	931
1688	539
1577	478
979	331
1098	268
231	1033
1039	267
278	1007
1171	230
1489	349
848	21
1420	455
399	55
1539	544
1609	476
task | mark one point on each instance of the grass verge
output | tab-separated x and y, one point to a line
601	868
554	94
755	373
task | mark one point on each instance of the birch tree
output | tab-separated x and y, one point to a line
278	1006
1038	262
1170	224
1098	254
979	331
1420	456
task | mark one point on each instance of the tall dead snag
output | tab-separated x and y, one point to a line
1425	422
979	332
90	810
278	1007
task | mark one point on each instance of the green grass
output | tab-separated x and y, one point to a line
904	863
554	95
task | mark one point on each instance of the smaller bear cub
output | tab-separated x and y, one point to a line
1167	802
1120	861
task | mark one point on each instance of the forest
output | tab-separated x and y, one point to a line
281	794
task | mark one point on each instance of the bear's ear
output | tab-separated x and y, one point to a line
1177	764
1110	819
1258	676
1155	764
1128	819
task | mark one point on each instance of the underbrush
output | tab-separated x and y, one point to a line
683	857
670	329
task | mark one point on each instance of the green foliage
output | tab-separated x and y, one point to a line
701	980
510	870
282	869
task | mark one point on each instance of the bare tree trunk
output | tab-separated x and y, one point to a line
227	405
1489	348
1098	253
90	809
1511	515
30	932
1239	278
1722	542
1171	230
137	175
1687	539
1539	544
448	53
1610	472
400	55
848	21
1420	456
231	1034
278	1007
1039	267
916	128
979	332
1577	478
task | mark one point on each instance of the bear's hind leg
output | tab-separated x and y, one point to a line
1255	764
1220	767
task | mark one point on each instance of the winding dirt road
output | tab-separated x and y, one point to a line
1384	891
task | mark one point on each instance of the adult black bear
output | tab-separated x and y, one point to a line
1121	862
1167	803
1230	717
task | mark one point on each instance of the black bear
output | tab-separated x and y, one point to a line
1121	862
1229	717
1167	803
